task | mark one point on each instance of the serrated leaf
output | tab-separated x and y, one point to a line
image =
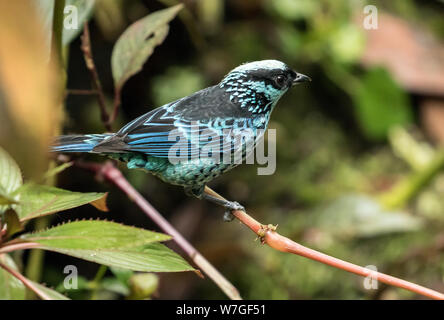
153	257
40	200
137	43
84	10
10	287
54	295
94	235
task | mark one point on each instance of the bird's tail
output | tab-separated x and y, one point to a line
78	143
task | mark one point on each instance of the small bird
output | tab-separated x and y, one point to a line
239	106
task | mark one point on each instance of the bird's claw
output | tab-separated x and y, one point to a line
232	206
228	216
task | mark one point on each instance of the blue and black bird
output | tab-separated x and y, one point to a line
241	103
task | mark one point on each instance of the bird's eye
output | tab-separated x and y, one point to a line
280	80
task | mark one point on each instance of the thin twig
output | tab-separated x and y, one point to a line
270	237
116	105
267	233
112	174
89	61
28	283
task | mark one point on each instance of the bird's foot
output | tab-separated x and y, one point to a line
231	206
228	216
228	205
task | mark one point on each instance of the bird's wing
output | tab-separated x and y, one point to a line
183	127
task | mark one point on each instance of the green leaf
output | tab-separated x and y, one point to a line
111	244
10	287
13	224
50	292
55	171
153	257
10	180
94	235
85	9
40	200
137	43
10	175
143	285
381	104
6	199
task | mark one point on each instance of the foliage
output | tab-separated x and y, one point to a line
137	43
103	242
357	175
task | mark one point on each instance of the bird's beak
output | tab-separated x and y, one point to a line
300	78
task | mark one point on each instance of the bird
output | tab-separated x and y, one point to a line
238	107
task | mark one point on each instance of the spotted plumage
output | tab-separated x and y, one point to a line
238	107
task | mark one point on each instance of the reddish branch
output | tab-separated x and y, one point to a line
116	105
87	54
270	237
267	233
107	119
28	283
113	175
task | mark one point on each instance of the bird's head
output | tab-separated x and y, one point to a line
259	85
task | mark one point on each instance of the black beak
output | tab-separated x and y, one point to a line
300	78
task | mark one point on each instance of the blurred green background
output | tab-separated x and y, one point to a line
359	149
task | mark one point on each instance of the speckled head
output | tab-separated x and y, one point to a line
259	85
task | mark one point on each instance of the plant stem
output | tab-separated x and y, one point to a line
36	256
28	283
267	233
116	105
95	283
35	260
270	237
89	61
17	246
114	175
